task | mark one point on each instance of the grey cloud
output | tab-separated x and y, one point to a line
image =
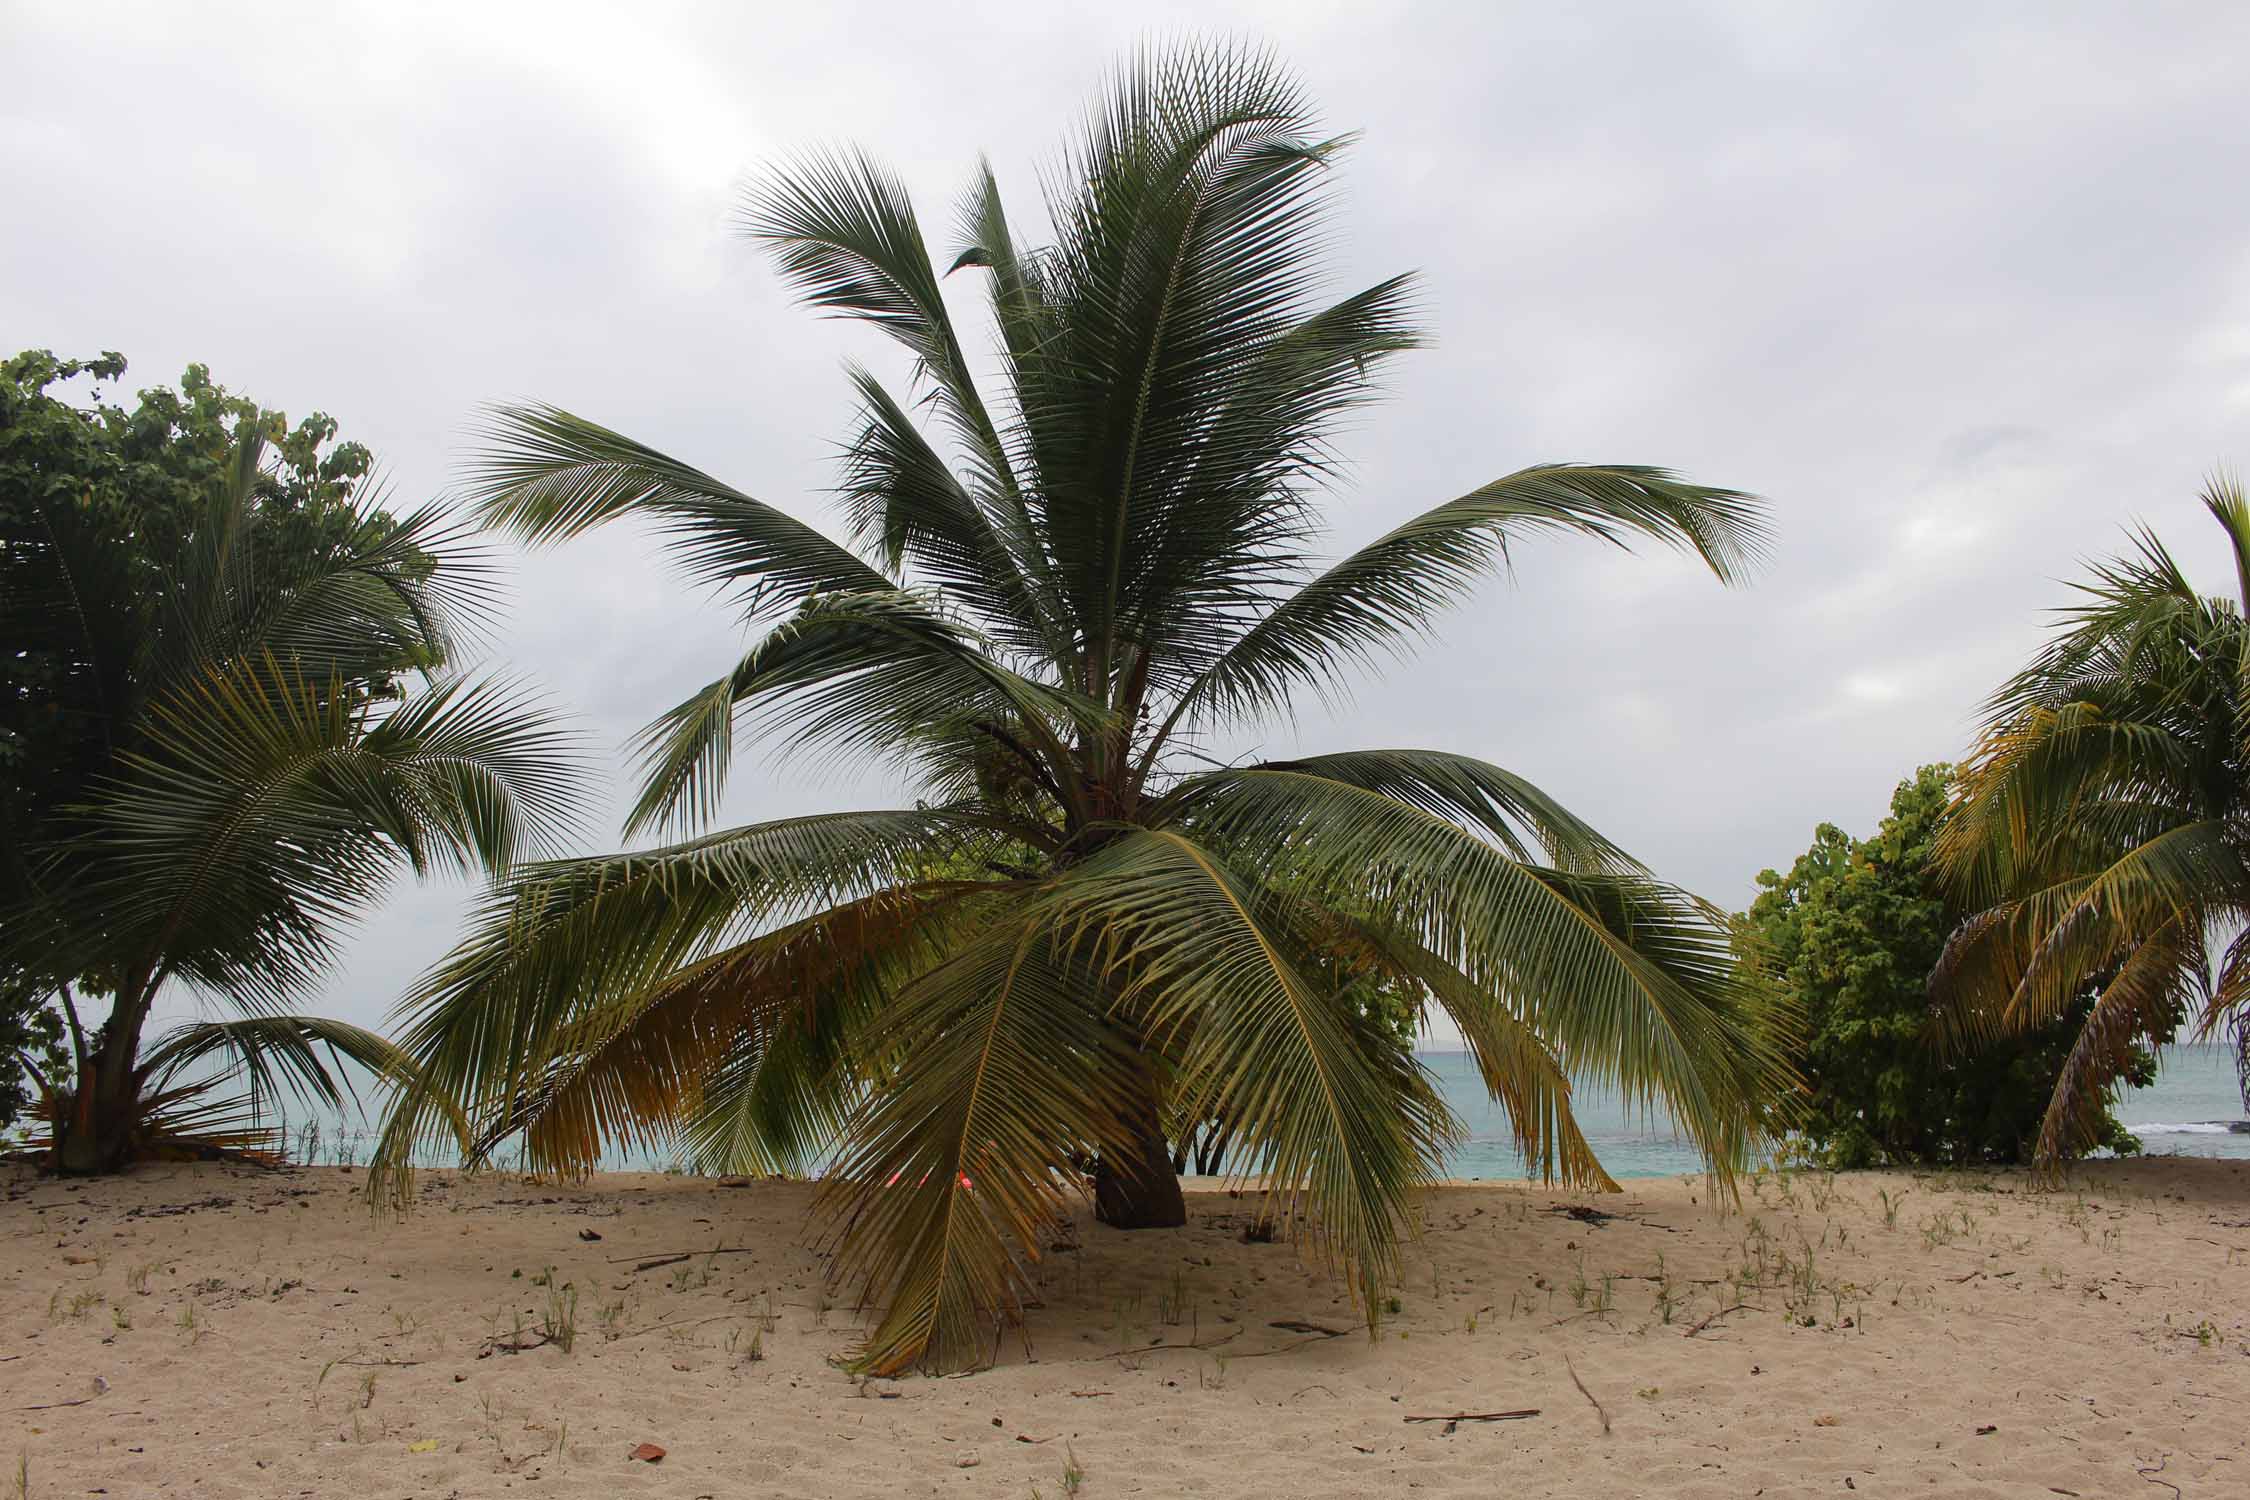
1963	289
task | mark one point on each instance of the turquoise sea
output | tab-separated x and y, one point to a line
2187	1111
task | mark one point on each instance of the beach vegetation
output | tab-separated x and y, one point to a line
2095	834
1848	937
1078	577
228	715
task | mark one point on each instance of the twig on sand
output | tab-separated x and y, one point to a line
1599	1409
674	1257
1482	1416
1299	1325
1707	1322
1285	1348
1160	1347
54	1405
634	1333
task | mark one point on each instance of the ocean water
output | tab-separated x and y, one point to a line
2187	1111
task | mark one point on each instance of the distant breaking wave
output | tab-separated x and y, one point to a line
2192	1127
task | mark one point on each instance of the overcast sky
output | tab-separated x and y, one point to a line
1962	289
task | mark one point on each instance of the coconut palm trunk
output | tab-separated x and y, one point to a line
1075	926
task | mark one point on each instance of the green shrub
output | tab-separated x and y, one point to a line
1848	939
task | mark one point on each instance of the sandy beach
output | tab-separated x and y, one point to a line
227	1331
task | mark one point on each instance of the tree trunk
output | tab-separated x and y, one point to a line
96	1130
1141	1192
95	1133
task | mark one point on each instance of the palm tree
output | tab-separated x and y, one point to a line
1082	936
256	770
2101	830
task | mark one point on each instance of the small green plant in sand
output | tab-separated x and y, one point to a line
74	1305
1073	1476
559	1324
1172	1303
1667	1292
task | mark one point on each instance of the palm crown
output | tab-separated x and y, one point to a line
2099	829
1080	937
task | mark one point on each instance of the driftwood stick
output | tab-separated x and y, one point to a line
667	1257
1299	1325
1599	1409
1707	1322
1476	1416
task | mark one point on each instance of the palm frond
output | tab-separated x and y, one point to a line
1394	587
2095	832
547	475
903	500
270	809
1628	981
864	674
269	1056
946	1180
563	945
1341	1126
845	235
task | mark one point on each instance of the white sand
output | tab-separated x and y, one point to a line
2066	1322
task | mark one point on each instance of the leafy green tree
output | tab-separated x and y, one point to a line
222	726
1053	597
1850	936
2099	834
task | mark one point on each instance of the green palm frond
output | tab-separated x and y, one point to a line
872	674
301	1056
269	809
905	502
547	476
1205	963
1392	589
946	1179
1518	1069
1629	981
571	953
1494	802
